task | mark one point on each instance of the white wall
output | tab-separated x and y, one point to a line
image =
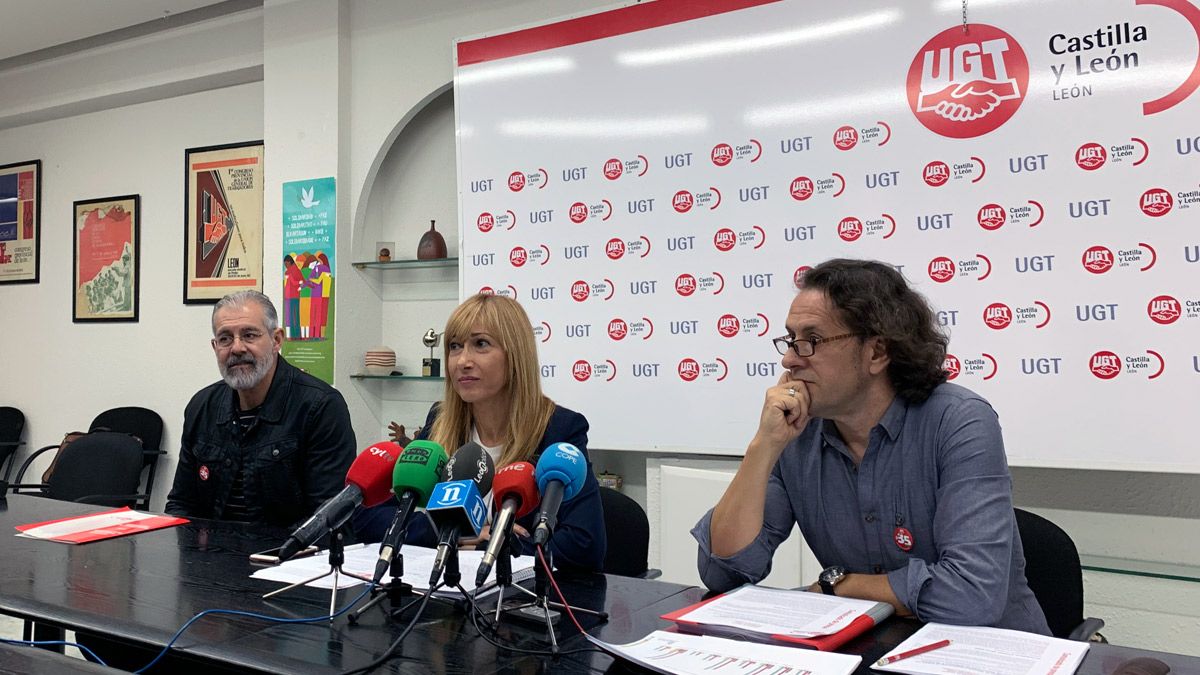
384	59
61	374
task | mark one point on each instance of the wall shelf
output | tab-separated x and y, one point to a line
1140	568
406	264
397	378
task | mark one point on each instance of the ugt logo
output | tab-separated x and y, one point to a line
1090	156
578	212
1105	365
802	188
728	325
967	84
688	369
1156	202
997	316
618	329
1163	309
516	181
1098	259
952	366
581	370
845	138
941	269
936	173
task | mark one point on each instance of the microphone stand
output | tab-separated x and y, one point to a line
451	574
337	557
504	577
540	606
396	590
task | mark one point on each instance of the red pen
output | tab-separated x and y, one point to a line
913	652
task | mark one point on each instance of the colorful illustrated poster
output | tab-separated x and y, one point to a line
223	221
20	222
106	259
309	223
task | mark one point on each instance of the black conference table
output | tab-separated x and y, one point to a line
22	660
142	588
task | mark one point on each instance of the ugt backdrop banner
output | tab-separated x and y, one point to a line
649	182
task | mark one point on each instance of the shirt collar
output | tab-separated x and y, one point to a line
892	422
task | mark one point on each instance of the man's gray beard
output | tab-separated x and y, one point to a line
241	379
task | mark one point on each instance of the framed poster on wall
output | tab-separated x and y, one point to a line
223	221
20	222
107	252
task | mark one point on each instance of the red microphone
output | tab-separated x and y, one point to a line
516	495
372	470
368	482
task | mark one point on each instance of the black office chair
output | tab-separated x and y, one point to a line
144	424
102	467
12	423
628	533
1056	578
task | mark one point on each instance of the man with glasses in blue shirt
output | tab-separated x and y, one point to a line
268	443
897	479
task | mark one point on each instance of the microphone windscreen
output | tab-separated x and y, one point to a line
419	468
372	472
471	462
516	480
565	463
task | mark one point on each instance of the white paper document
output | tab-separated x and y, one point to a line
777	612
681	654
360	559
994	651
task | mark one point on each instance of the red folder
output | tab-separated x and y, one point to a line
103	525
825	643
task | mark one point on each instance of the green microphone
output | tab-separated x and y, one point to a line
417	470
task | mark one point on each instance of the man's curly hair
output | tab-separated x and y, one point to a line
874	300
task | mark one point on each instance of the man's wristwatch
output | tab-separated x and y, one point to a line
830	577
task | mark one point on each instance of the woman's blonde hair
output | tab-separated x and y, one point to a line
529	410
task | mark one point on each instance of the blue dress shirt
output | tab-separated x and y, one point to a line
934	471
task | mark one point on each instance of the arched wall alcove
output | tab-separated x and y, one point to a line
412	180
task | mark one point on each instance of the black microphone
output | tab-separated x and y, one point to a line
471	462
413	478
456	503
367	482
561	472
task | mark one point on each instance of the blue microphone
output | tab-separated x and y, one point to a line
456	505
560	473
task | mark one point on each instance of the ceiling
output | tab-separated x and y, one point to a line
30	25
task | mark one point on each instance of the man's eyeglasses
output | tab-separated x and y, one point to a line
805	346
226	340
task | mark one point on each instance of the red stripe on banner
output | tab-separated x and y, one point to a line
221	164
595	27
206	283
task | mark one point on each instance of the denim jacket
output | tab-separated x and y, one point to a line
296	453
